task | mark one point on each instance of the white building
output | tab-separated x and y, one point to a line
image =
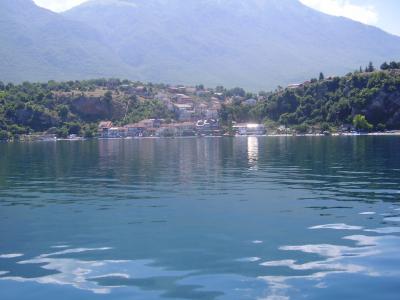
249	129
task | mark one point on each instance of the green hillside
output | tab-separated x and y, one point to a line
330	102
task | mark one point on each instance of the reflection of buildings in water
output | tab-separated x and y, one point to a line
198	156
179	159
252	150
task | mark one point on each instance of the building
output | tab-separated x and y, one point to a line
294	86
191	90
250	102
135	130
173	89
104	127
184	112
176	129
347	128
208	127
115	132
249	129
211	114
147	127
183	99
185	129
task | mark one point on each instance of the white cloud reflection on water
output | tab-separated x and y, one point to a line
11	255
339	226
363	259
337	259
82	274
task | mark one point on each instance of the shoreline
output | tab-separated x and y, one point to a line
391	133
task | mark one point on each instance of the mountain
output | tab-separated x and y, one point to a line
254	43
37	44
257	44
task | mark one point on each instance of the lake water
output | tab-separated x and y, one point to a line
207	218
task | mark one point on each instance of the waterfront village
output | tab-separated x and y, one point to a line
159	128
196	112
125	109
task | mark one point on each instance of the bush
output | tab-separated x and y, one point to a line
381	127
325	127
361	123
4	135
303	128
62	132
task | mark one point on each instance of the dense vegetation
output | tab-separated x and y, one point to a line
73	107
331	102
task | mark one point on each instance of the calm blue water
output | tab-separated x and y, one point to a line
209	218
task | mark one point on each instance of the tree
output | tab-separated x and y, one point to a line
325	127
361	123
4	135
384	66
321	76
393	65
220	89
62	132
370	67
108	97
63	112
301	129
381	127
237	91
89	131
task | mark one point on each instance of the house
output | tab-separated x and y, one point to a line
104	127
298	85
176	129
151	123
294	86
145	127
173	89
116	132
249	129
105	124
184	112
185	129
203	93
191	90
162	97
181	89
216	105
141	90
208	127
347	128
211	114
220	96
167	130
135	130
183	99
250	102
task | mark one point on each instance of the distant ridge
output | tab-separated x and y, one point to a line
37	44
257	44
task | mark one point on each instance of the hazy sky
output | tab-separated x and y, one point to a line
381	13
